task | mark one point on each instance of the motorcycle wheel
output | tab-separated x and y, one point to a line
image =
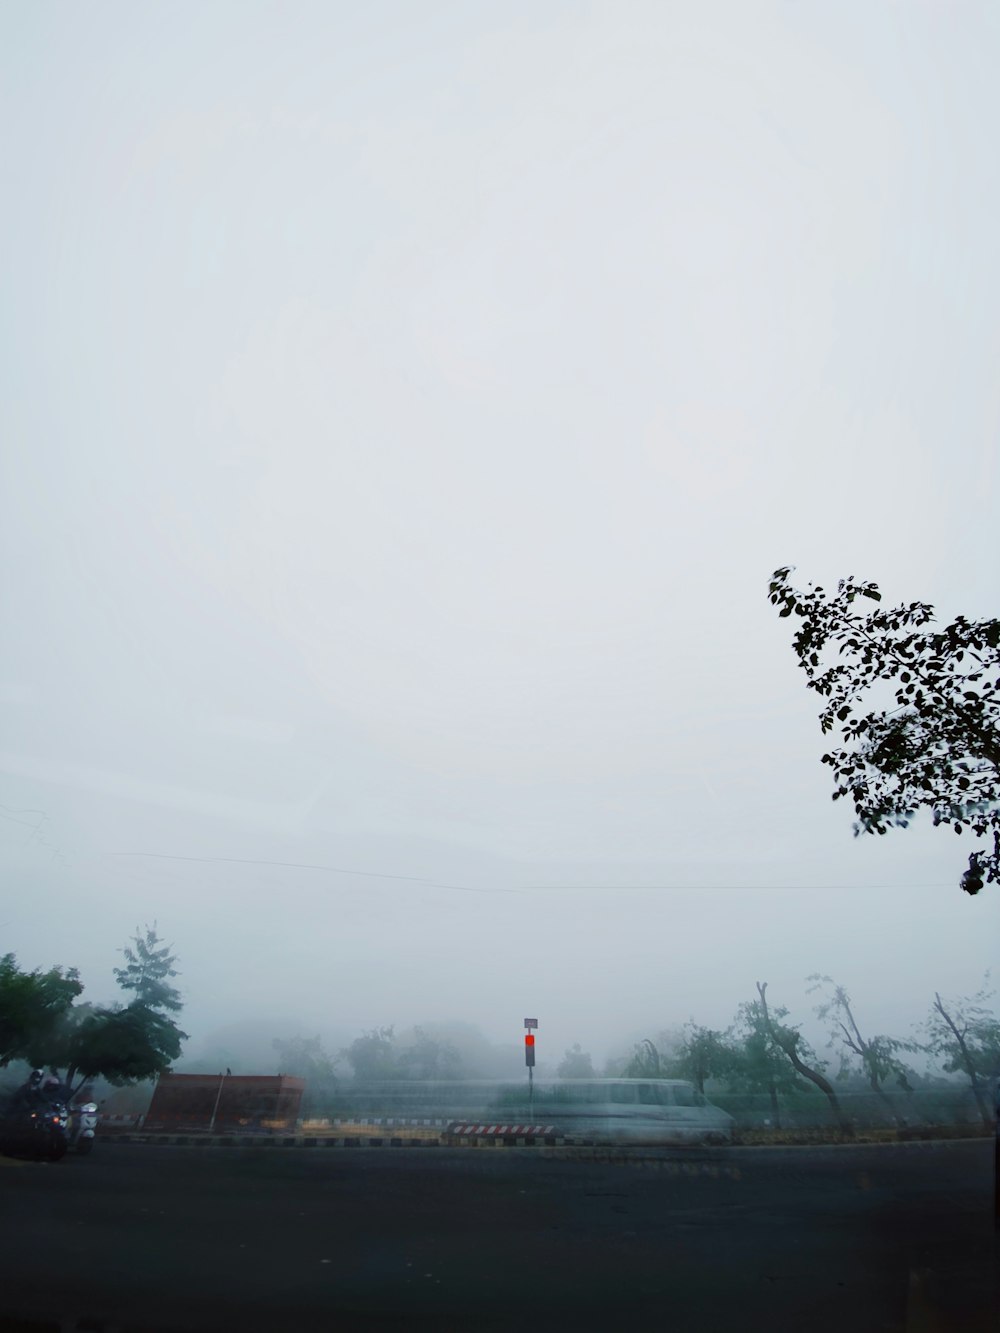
85	1146
56	1147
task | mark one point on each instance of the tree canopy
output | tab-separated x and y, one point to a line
147	968
704	1054
932	739
426	1056
305	1057
576	1063
32	1007
126	1043
646	1061
762	1066
123	1045
379	1054
372	1056
40	1022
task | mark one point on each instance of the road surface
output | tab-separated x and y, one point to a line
161	1239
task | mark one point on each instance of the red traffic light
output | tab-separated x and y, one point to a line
529	1039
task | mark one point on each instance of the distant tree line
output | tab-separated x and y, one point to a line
427	1052
761	1056
763	1052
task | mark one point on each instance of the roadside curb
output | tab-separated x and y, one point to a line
341	1141
370	1141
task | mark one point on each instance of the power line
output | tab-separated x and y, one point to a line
527	888
710	888
308	865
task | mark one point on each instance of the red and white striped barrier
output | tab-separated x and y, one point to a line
503	1131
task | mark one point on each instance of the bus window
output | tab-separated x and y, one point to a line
623	1094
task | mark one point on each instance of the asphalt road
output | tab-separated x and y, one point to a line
155	1238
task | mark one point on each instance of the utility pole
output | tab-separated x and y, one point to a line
215	1108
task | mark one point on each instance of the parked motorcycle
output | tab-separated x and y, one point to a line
38	1131
83	1127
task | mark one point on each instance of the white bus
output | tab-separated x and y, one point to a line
637	1109
667	1110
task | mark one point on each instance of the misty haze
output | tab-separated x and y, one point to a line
404	410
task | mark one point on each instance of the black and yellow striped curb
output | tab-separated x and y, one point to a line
344	1140
590	1146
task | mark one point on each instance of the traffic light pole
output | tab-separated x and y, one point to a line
529	1059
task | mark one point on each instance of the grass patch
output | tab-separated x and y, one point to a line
791	1138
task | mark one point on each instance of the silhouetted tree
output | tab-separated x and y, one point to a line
938	748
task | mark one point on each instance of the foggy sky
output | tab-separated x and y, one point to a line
403	409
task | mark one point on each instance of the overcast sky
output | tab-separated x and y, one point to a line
403	408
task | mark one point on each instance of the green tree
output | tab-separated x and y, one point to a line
32	1007
646	1062
761	1065
878	1055
373	1055
791	1044
704	1054
936	746
126	1043
424	1056
965	1034
122	1043
477	1057
304	1057
576	1063
147	968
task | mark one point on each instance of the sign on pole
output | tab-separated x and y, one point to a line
529	1059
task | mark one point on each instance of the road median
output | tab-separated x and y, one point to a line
372	1136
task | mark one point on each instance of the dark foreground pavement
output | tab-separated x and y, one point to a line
154	1238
